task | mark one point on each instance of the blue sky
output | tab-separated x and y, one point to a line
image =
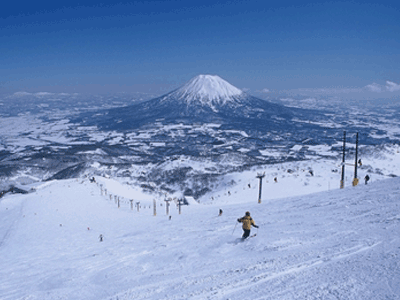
156	46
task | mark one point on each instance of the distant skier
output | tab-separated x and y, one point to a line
220	212
359	162
366	178
247	223
276	179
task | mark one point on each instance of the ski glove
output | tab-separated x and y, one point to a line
239	220
255	226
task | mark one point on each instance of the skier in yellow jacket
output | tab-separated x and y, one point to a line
247	223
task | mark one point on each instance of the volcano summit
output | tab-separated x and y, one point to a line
207	90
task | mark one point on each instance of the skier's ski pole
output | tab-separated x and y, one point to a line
234	229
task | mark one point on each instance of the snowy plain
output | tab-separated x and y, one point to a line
333	244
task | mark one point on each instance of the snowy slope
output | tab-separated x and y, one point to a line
338	244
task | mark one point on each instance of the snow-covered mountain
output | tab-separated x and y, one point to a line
205	98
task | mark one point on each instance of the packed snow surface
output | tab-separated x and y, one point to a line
207	88
337	244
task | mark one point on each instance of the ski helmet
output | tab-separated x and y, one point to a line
247	213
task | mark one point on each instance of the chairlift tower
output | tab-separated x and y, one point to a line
260	177
180	203
355	180
138	205
343	160
167	201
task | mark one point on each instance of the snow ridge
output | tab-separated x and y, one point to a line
207	90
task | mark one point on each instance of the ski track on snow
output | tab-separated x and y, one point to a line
224	288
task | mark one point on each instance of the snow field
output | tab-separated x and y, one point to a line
295	179
341	244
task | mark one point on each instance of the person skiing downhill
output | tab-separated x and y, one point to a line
247	223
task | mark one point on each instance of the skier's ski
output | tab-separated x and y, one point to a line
249	237
241	240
